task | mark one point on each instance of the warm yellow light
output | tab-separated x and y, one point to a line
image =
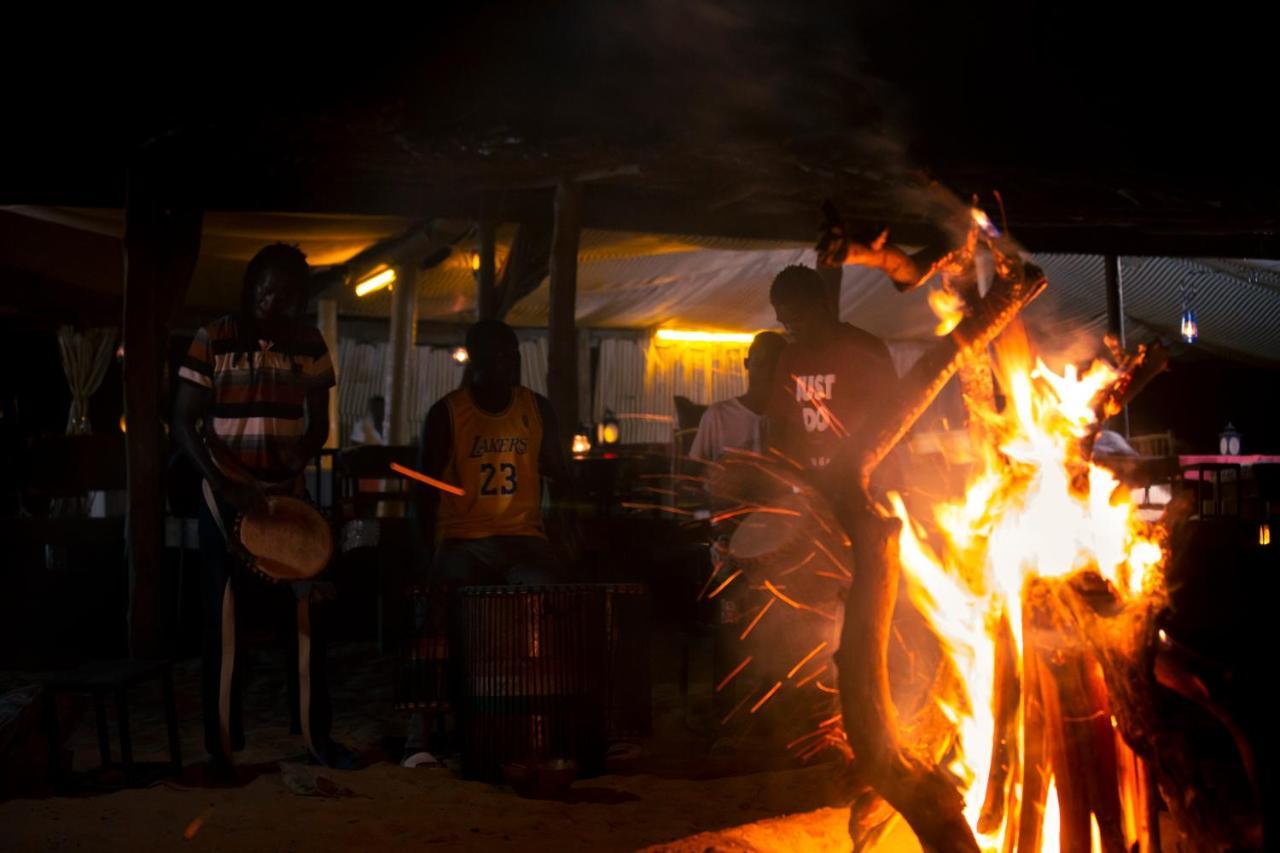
459	355
1264	534
475	262
694	336
581	444
375	282
609	433
122	424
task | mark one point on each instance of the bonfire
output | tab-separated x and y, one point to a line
1039	726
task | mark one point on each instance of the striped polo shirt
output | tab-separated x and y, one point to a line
258	410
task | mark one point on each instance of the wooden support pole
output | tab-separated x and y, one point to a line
1115	317
584	376
562	356
1115	299
921	792
327	321
487	280
404	327
161	242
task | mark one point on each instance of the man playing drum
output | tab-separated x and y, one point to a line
495	440
251	409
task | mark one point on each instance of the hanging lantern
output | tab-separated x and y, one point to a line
1264	534
1190	329
607	431
1229	441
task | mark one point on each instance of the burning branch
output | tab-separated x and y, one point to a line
935	368
913	784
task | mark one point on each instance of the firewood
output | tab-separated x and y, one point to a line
1004	748
912	784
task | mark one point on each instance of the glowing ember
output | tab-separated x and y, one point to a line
772	690
737	669
756	621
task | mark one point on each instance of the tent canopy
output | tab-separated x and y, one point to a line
636	281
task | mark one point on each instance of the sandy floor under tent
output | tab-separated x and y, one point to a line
678	793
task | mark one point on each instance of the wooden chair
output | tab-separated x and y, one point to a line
1159	444
358	468
366	517
113	679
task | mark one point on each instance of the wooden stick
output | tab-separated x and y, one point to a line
1035	763
1004	748
917	788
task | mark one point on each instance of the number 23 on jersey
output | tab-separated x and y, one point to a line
499	479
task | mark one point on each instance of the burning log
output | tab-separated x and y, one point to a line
1035	764
1207	789
912	784
1077	724
1004	747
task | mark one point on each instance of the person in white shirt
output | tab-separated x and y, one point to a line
371	428
738	423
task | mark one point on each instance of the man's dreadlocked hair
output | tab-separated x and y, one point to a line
289	262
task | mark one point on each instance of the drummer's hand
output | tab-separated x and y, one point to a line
245	497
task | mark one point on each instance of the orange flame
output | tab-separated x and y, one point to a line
949	309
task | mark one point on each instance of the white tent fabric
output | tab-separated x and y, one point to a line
639	383
638	281
364	369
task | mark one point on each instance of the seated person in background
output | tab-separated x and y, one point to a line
738	423
371	429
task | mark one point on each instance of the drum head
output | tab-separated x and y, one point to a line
289	540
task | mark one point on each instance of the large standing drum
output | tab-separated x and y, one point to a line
550	672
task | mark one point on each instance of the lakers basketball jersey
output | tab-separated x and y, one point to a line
495	461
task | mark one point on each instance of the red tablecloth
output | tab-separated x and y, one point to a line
1243	461
1256	459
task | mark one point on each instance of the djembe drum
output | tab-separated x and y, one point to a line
288	540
